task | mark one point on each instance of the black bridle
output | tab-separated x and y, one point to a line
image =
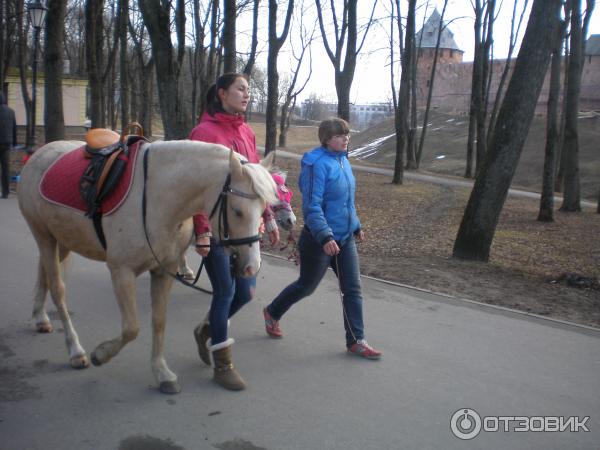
221	206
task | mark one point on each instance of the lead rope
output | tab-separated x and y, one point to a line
339	277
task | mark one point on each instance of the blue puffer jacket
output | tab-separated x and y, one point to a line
327	185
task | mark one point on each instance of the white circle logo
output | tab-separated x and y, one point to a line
465	424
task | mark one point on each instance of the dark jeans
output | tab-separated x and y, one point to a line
229	293
313	265
4	162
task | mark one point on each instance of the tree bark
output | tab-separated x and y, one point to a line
253	46
476	89
157	19
546	213
8	35
229	52
572	195
275	43
511	47
401	115
489	193
53	62
21	58
94	58
123	62
292	93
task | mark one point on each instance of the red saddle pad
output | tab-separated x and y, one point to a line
60	182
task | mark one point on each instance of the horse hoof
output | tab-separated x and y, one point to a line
170	387
79	362
95	360
44	327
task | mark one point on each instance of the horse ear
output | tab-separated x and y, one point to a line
267	162
235	166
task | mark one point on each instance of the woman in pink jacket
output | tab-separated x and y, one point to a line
224	123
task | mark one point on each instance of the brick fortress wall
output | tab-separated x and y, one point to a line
452	84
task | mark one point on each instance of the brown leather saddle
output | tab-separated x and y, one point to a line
107	152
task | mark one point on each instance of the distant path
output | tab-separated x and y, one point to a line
435	179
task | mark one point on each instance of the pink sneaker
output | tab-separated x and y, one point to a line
272	325
364	350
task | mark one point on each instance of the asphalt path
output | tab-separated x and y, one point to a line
441	355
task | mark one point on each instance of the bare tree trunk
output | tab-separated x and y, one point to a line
229	52
514	34
489	193
401	112
9	35
560	172
292	93
481	113
252	58
53	62
157	19
21	58
94	58
345	36
476	89
123	62
275	43
572	195
546	213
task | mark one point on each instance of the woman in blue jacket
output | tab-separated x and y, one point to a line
329	236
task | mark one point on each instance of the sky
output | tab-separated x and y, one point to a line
372	76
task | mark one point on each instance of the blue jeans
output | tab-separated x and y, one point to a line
313	265
229	293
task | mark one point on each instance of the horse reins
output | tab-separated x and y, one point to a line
221	205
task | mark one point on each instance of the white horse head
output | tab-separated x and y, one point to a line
251	188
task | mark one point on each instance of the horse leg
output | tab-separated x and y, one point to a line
50	258
42	321
160	287
184	269
123	281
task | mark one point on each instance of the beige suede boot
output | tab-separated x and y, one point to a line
202	335
224	372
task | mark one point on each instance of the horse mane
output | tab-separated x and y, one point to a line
261	181
260	178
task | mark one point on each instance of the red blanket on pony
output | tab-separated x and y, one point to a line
60	183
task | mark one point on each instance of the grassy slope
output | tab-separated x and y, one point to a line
447	135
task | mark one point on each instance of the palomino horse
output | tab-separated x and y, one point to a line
182	177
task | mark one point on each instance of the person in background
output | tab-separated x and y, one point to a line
329	236
8	139
224	123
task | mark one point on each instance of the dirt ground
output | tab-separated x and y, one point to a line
549	269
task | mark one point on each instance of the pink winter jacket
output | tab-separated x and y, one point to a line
232	132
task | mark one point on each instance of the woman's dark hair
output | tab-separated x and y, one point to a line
332	127
213	102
